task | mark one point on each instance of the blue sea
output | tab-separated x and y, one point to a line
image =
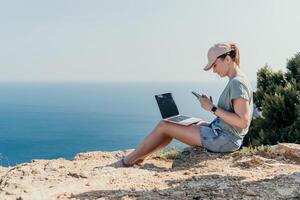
46	120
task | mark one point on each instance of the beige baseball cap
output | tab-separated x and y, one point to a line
215	51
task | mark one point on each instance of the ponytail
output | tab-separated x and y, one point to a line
235	54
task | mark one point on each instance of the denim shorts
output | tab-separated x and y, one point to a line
217	140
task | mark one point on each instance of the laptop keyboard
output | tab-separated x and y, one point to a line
178	118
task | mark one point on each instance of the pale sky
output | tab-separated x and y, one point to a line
141	40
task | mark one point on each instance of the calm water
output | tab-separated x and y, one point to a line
51	120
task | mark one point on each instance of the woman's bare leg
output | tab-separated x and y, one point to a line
161	146
161	136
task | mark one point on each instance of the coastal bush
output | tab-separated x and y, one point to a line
277	98
168	153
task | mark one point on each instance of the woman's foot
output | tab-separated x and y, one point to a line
139	162
120	163
123	163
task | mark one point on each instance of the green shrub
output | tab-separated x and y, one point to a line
278	98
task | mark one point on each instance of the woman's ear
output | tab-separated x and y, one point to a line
228	59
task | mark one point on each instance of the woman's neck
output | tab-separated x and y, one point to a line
234	71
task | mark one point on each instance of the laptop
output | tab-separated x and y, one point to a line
170	113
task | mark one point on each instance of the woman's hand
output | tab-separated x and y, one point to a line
206	103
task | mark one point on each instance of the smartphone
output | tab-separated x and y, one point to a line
196	94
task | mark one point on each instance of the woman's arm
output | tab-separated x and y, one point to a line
240	117
203	123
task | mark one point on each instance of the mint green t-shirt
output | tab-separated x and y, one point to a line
237	87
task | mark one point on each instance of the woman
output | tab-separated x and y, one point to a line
233	113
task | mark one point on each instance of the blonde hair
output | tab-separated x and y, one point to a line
236	57
234	54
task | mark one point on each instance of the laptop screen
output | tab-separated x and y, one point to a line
166	105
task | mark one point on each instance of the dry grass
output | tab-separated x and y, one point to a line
250	151
168	153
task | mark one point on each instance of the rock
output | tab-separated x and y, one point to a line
254	161
296	176
76	175
128	198
101	155
250	193
286	191
288	150
197	198
92	155
198	174
178	194
155	189
186	173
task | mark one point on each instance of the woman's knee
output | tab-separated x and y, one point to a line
162	125
160	128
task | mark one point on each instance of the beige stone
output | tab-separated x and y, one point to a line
194	174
